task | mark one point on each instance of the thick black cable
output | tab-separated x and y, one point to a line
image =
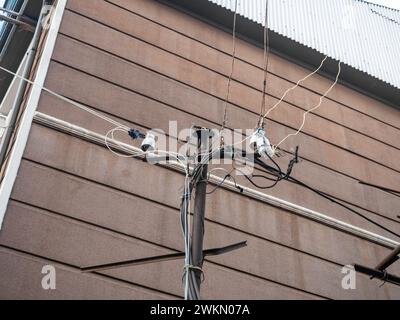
324	195
222	182
388	190
262	187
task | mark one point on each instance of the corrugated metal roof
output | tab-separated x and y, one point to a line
363	35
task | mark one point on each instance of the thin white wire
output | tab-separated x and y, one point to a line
312	109
186	203
119	126
106	138
265	70
186	235
216	169
123	128
219	148
225	119
133	154
294	87
281	99
76	104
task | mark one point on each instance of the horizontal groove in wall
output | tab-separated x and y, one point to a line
157	245
99	139
244	60
250	86
205	119
163	205
122	191
76	269
242	108
289	103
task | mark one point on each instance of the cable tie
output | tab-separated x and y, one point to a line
186	267
190	266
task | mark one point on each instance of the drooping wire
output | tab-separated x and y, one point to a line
265	70
279	175
128	153
289	178
185	218
119	126
190	287
388	190
312	109
192	291
324	195
65	99
225	119
259	186
228	175
294	87
185	214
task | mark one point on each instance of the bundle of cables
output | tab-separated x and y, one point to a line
278	175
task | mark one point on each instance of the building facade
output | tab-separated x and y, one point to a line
145	63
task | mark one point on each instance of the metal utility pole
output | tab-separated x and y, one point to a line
203	137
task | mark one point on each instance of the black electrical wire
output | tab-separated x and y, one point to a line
277	177
193	290
264	177
222	182
261	187
388	190
287	176
274	162
322	194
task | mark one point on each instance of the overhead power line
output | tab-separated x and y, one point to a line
312	109
392	191
72	102
265	67
225	118
277	173
294	87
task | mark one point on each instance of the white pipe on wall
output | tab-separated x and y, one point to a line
89	135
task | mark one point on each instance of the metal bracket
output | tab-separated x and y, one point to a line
374	273
167	257
380	270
